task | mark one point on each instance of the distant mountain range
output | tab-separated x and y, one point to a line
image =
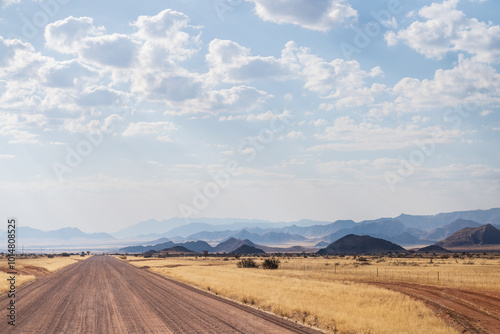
66	233
195	246
227	246
177	227
407	230
349	244
427	223
404	229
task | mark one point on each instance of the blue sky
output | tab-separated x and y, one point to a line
113	113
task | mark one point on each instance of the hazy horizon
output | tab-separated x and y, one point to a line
323	110
231	220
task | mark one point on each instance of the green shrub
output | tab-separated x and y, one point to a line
247	263
271	263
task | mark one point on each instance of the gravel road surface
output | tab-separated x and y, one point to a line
105	295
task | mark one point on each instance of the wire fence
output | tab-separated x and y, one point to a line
467	274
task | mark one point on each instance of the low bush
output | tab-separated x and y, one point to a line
247	263
271	263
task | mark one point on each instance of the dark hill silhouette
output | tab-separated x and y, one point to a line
469	236
433	249
142	249
197	246
292	249
246	249
364	244
177	249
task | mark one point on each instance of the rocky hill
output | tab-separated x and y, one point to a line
433	249
178	250
447	230
360	244
470	236
246	249
142	249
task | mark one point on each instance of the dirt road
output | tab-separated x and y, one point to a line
470	311
105	295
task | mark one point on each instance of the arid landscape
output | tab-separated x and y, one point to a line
250	166
354	284
330	292
392	293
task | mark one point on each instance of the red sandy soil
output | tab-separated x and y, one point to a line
469	311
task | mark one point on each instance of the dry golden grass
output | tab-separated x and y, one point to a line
53	264
481	273
33	265
314	296
20	280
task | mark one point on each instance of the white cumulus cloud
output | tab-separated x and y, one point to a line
321	15
447	29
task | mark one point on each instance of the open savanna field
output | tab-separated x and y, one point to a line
337	294
30	267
